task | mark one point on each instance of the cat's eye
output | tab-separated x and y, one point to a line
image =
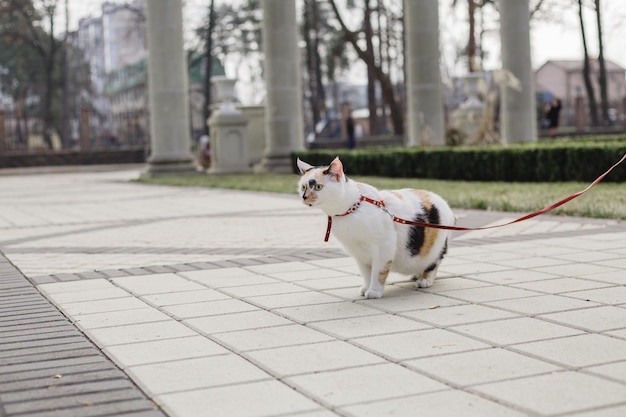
303	187
318	187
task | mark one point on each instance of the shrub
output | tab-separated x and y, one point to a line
576	160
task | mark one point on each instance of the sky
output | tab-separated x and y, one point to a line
559	39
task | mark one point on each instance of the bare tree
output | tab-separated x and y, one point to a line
604	101
593	107
368	57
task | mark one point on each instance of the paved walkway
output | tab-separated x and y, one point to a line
124	299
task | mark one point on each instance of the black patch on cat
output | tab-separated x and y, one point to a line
416	234
312	183
444	250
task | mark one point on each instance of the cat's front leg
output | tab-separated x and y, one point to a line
366	273
380	271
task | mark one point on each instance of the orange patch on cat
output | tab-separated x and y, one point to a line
398	194
430	235
382	276
425	197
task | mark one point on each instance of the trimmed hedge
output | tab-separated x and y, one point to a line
537	162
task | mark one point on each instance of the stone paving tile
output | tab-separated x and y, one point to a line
618	411
195	373
492	293
236	321
156	284
556	393
417	344
577	351
357	385
516	330
512	277
318	312
561	285
208	308
270	337
542	304
312	358
460	314
616	371
242	400
367	326
120	318
610	295
596	319
143	332
481	366
292	299
163	350
438	404
227	277
184	297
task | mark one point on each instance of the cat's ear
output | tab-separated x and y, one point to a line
303	166
335	170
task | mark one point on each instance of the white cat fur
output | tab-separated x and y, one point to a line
378	244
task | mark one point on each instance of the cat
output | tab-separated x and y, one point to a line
359	217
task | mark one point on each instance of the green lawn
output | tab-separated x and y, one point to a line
606	200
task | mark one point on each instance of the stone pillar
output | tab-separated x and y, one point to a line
425	115
518	111
167	81
284	131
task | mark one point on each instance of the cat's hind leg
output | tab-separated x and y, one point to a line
427	278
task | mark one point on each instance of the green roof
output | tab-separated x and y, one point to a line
134	75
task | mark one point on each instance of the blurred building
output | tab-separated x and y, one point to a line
114	46
109	42
564	79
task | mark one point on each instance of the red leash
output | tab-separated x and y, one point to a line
381	204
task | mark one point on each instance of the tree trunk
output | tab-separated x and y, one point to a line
602	76
382	59
593	108
397	115
371	77
47	116
471	44
208	67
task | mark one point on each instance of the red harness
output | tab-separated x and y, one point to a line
381	204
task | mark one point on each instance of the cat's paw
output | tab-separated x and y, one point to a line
424	282
362	290
373	294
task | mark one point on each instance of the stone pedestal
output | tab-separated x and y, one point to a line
229	142
255	132
170	150
229	139
468	116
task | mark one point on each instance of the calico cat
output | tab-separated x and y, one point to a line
360	218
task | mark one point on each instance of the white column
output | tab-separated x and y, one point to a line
425	116
518	112
168	92
283	114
